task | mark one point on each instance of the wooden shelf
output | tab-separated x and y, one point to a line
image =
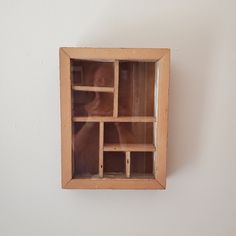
114	119
93	89
116	175
114	105
129	148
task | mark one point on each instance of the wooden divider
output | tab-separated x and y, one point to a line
118	147
127	164
93	89
143	119
116	88
101	143
155	154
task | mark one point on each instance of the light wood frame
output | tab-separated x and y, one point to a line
161	56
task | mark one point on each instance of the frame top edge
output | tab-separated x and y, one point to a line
115	48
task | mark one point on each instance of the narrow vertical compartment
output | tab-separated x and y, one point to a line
141	165
85	149
136	88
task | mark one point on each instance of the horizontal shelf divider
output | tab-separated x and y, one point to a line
114	119
93	89
129	147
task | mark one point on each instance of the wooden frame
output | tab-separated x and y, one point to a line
161	57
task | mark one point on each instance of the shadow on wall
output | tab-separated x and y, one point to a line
190	73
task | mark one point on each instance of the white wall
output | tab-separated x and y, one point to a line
201	190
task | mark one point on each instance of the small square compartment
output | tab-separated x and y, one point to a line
92	103
114	164
141	164
92	73
128	133
85	151
136	88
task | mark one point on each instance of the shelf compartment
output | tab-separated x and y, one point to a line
93	89
141	165
92	73
128	132
92	104
136	88
114	164
115	119
129	148
85	149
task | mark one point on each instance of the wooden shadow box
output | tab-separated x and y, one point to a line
114	105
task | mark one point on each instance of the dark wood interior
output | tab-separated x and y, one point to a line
92	103
114	163
85	149
141	163
137	132
91	98
92	73
136	88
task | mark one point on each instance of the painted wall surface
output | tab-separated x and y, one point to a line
201	189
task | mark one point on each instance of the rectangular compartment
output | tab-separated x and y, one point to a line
85	150
136	88
128	133
114	164
92	73
141	164
92	103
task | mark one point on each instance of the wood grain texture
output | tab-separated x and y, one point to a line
116	89
115	119
159	118
111	54
129	147
162	127
93	89
101	141
119	183
127	164
66	124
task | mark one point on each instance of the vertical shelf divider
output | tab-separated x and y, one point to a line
101	144
127	164
116	88
155	126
